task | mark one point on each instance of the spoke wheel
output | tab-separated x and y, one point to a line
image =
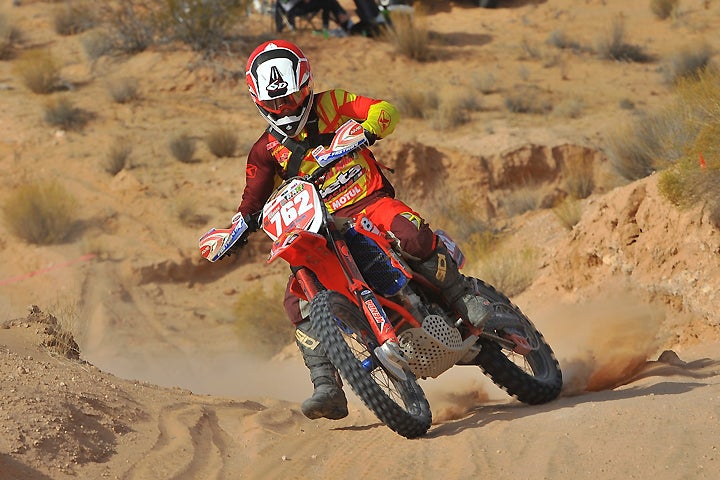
343	331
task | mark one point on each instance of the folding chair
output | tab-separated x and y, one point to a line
285	17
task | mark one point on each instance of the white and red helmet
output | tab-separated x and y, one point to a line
281	85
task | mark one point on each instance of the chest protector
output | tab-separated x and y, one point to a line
351	179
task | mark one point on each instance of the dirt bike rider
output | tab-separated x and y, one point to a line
280	81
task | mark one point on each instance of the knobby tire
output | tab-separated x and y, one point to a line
544	383
333	317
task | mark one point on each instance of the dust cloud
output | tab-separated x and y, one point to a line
602	343
230	374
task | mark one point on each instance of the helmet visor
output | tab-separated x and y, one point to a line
286	104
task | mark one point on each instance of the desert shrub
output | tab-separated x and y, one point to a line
123	90
658	140
41	213
96	43
118	156
663	9
10	37
696	176
132	26
568	212
485	83
522	200
510	272
626	104
613	46
688	183
222	142
688	62
527	99
204	25
38	71
61	112
416	103
454	110
260	319
182	147
62	331
579	177
74	17
455	214
558	39
410	36
569	108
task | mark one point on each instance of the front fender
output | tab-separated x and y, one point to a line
301	248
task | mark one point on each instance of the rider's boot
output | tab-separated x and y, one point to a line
328	400
441	270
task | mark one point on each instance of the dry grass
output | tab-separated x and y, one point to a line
203	25
38	71
10	37
222	142
96	43
522	200
569	108
558	39
118	157
695	177
260	319
612	46
74	17
657	140
410	36
568	212
182	148
124	90
63	325
510	272
664	9
41	213
61	112
528	99
688	62
130	23
455	110
416	103
579	177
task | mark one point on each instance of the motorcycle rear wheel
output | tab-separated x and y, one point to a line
533	378
342	329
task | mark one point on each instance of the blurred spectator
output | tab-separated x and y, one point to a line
289	10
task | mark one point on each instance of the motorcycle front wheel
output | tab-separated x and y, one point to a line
342	329
532	376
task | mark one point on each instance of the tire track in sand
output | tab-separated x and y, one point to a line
191	445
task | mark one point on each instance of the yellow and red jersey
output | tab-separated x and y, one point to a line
351	181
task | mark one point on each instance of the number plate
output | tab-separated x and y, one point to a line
296	206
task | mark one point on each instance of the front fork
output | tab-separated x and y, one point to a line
388	353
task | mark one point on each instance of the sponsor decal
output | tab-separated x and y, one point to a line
277	86
378	317
442	268
384	120
345	197
251	171
342	179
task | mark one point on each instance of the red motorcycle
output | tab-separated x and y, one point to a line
382	325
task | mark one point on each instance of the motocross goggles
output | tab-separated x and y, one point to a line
288	103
